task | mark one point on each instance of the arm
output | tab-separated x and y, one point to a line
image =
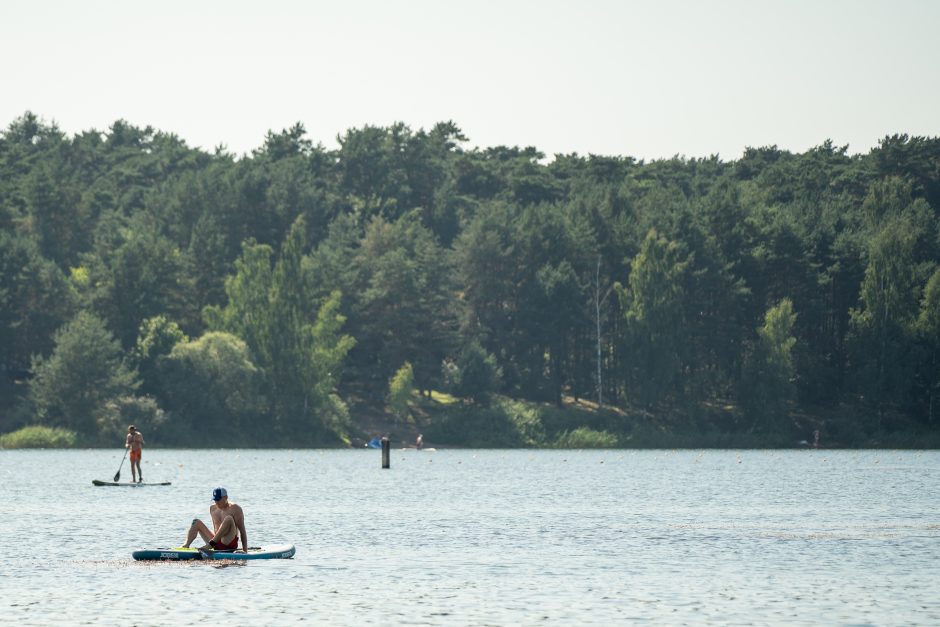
127	441
214	519
241	529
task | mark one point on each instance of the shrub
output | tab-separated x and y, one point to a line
38	437
472	426
525	419
585	437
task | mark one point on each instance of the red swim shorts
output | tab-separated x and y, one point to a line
218	545
135	455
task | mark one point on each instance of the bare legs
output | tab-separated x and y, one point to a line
136	473
227	531
197	527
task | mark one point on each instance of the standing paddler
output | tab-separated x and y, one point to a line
135	442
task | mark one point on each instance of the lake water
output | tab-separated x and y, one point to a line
481	537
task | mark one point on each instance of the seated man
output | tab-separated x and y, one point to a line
228	520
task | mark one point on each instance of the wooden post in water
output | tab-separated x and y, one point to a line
386	452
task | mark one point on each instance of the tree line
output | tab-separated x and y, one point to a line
246	299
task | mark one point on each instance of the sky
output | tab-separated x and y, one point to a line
646	79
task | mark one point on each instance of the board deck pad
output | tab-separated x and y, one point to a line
268	552
128	484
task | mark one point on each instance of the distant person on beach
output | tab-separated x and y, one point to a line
135	442
419	443
228	522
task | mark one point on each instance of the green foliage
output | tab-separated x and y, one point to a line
137	273
928	321
504	423
882	327
400	391
331	346
301	358
120	412
86	370
767	383
523	270
487	427
928	329
654	312
156	338
508	422
35	300
214	392
585	437
475	375
489	274
525	419
395	278
432	244
37	436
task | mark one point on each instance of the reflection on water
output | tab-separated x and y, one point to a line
482	537
124	563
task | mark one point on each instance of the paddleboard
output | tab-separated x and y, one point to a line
129	484
270	552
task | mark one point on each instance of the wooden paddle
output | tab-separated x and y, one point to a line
117	475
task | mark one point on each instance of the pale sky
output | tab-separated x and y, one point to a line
647	79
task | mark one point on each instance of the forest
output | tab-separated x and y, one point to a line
488	296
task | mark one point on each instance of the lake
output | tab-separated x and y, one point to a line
481	537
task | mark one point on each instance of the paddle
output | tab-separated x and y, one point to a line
117	475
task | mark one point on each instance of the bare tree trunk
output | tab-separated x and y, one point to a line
597	312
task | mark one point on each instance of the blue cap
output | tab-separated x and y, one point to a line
218	493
